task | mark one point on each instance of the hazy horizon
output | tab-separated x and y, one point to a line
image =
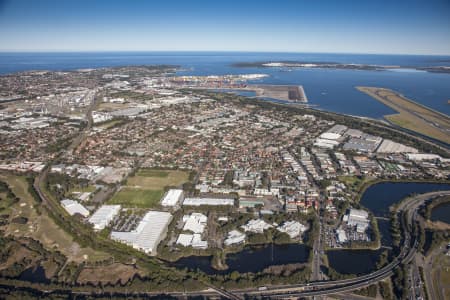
43	51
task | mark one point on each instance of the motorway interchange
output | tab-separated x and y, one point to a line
408	207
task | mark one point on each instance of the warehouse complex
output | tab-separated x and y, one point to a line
103	216
354	227
358	218
172	198
234	237
195	223
73	207
208	201
152	229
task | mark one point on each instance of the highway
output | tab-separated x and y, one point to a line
83	134
316	288
409	207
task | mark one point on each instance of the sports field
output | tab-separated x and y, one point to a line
412	115
137	197
146	188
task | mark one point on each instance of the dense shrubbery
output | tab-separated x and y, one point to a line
399	280
9	199
370	291
385	290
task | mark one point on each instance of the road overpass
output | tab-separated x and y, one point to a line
409	206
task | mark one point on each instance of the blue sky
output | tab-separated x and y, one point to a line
360	26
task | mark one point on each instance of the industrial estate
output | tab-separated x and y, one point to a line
137	178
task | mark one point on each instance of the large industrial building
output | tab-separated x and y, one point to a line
358	218
192	240
331	138
195	222
256	226
152	229
73	207
208	201
234	237
172	198
103	216
362	144
292	228
388	146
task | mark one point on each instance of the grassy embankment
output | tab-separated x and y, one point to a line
40	226
412	115
441	274
427	210
145	189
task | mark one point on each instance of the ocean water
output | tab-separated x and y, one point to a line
327	89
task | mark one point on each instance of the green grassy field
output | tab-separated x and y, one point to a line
87	189
153	173
157	179
146	188
353	182
132	197
111	123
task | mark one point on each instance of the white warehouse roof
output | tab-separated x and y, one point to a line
358	218
172	197
103	216
193	240
148	234
73	207
185	239
324	143
195	222
341	236
358	213
257	226
208	201
292	228
234	237
330	136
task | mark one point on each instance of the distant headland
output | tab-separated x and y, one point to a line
334	65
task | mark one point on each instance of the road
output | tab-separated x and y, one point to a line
316	288
433	290
409	207
319	288
316	273
387	128
79	139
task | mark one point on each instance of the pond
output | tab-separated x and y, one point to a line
252	259
385	231
353	261
35	275
441	213
378	197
